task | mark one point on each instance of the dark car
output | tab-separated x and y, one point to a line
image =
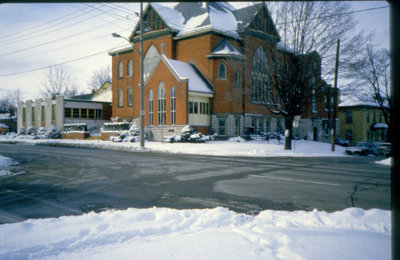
365	148
386	148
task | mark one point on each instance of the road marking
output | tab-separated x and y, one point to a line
296	180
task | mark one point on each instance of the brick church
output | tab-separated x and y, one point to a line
200	69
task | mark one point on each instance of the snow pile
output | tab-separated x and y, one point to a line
160	233
5	162
387	161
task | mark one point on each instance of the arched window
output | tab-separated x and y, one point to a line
221	71
150	62
150	107
120	71
130	68
237	80
173	106
161	104
260	76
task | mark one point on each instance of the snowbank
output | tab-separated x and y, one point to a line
387	162
234	147
160	233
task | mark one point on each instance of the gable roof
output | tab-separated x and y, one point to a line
188	18
224	49
184	71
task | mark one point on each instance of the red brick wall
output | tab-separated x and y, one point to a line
80	136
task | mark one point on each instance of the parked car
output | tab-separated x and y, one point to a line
342	142
386	148
365	148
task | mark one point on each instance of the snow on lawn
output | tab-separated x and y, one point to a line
234	147
161	233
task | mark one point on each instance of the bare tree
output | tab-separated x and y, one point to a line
9	103
99	77
308	26
371	71
58	81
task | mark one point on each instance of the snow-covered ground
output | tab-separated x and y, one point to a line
161	233
233	147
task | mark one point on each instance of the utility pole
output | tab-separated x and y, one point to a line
141	80
141	85
333	130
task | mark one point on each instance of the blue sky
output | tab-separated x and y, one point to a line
34	36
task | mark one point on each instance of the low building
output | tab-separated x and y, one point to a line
60	111
361	120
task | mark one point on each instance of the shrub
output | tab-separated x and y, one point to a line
31	131
54	133
116	126
75	127
42	133
22	131
188	134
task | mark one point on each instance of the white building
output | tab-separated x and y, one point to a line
48	112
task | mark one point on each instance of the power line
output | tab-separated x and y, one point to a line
58	64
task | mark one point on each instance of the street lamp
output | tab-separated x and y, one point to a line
116	35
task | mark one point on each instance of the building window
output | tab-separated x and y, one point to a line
150	61
53	112
237	80
43	113
237	126
99	114
349	116
222	126
84	113
33	115
277	68
221	71
130	68
24	115
326	102
120	98
204	108
367	115
68	112
91	113
120	70
150	107
130	97
173	106
349	135
191	107
75	112
260	77
161	104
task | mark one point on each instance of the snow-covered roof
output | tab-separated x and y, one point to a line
357	100
5	116
185	71
190	17
187	18
224	48
283	47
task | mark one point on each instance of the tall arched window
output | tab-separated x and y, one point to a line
130	68
260	76
173	106
221	71
150	107
161	104
120	69
150	62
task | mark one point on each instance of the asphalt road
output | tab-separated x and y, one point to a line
56	181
